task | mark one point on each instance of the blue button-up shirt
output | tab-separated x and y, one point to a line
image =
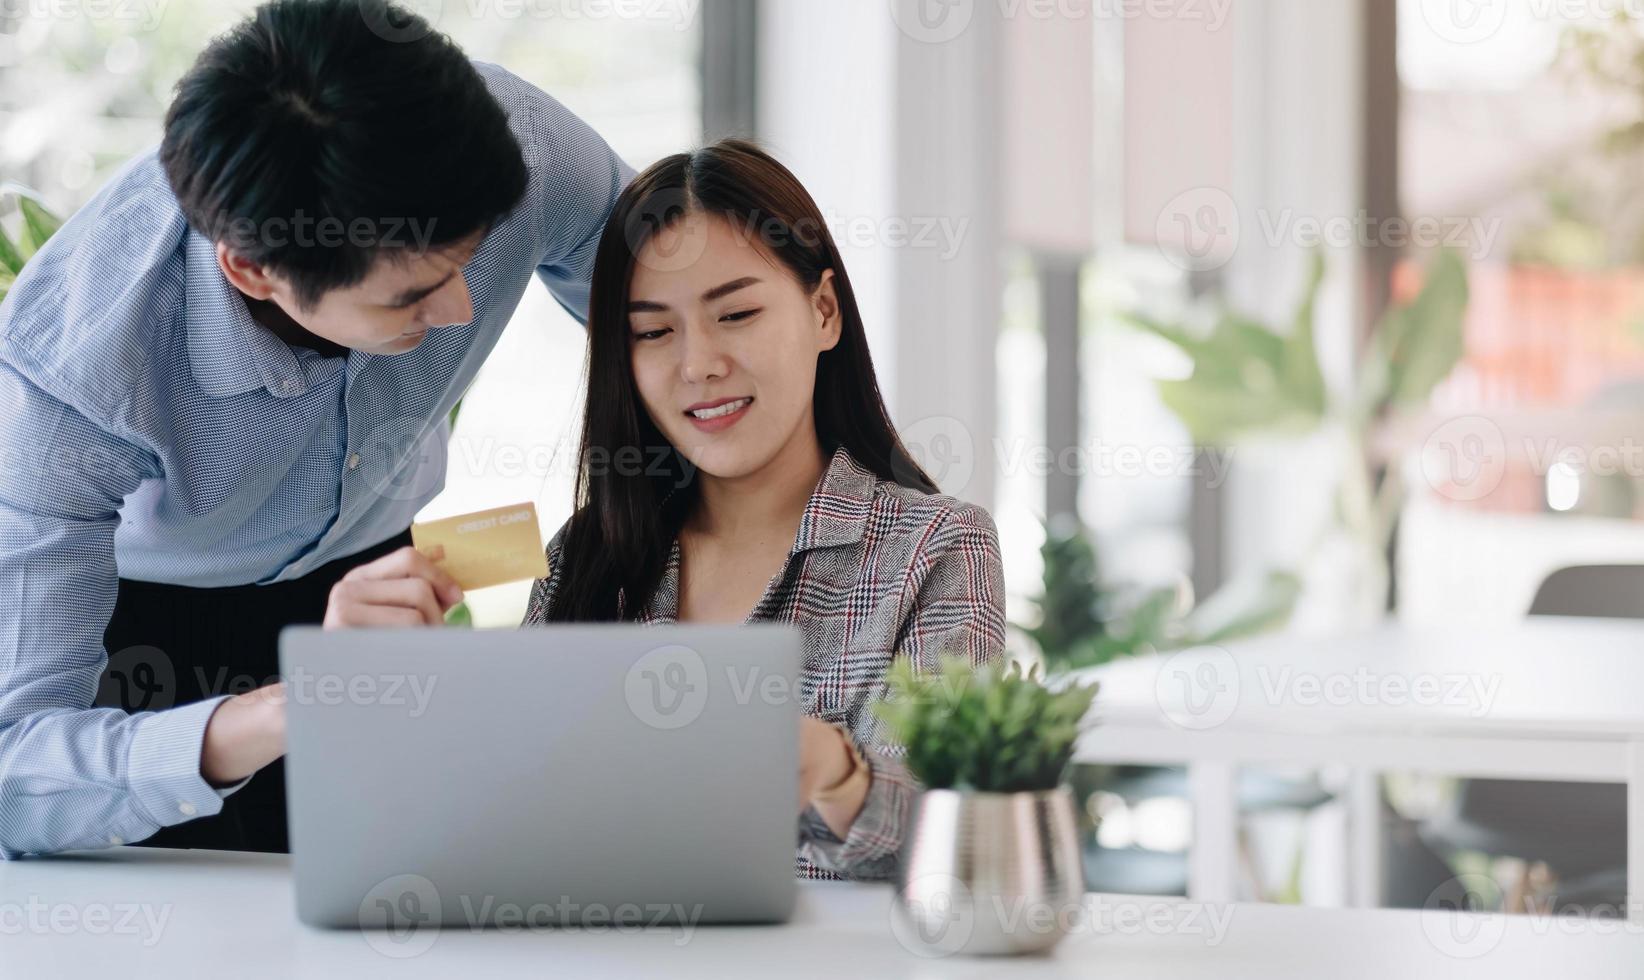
151	429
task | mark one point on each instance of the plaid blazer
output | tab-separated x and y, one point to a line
877	571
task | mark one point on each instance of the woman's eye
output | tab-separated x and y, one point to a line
650	334
737	316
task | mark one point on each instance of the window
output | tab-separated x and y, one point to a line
1526	464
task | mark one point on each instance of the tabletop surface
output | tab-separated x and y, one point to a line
1579	677
140	912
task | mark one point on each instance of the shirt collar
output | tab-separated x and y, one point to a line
837	513
229	352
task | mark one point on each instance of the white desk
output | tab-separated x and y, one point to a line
224	914
1551	699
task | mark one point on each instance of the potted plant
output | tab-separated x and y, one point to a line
992	863
1250	381
1084	621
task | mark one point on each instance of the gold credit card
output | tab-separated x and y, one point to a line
490	547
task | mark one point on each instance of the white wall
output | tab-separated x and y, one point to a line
1297	113
826	110
897	136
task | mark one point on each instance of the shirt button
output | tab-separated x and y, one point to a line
354	461
116	840
186	808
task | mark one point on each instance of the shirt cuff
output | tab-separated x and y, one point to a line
873	845
163	767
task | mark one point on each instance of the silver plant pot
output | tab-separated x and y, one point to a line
990	873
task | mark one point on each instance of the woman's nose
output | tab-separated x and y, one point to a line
702	359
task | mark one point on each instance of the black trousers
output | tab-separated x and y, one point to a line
171	644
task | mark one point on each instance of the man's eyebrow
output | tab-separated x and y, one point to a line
411	296
718	292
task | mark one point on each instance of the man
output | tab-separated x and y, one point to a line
225	382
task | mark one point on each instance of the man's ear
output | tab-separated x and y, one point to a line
825	301
243	274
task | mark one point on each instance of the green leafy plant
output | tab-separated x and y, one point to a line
1251	381
460	615
1246	377
1072	606
1084	623
990	729
34	225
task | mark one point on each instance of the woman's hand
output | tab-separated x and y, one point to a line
405	588
825	761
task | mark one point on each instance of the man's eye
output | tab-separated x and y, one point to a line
738	315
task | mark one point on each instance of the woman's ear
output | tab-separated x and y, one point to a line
243	274
825	303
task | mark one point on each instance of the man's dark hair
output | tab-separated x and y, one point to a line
320	135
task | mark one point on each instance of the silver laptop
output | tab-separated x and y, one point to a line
556	775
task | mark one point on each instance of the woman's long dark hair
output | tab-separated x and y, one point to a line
634	490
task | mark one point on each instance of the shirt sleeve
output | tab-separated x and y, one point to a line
958	610
543	590
575	181
73	775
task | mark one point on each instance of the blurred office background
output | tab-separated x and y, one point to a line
1020	187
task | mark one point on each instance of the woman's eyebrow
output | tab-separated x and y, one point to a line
725	289
718	292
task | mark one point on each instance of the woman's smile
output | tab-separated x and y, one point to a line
719	415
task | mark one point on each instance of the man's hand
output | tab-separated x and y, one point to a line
245	733
405	588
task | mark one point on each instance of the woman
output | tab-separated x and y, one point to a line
738	466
